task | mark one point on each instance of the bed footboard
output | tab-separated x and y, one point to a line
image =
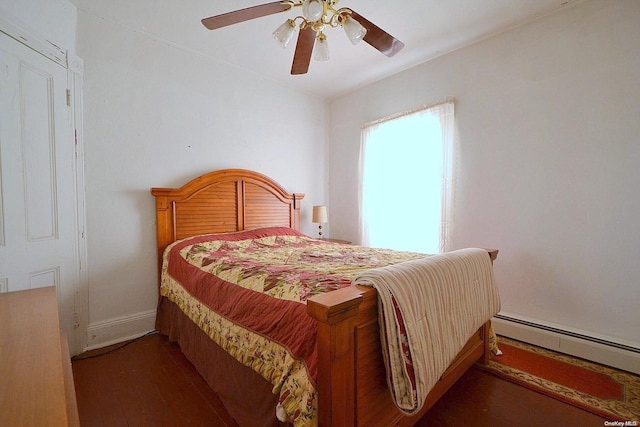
352	387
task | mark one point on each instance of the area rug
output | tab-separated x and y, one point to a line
607	392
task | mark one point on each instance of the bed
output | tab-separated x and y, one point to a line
343	349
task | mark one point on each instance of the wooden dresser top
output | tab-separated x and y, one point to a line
32	361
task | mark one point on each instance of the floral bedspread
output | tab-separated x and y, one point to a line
288	267
248	290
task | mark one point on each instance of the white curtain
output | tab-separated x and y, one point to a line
406	180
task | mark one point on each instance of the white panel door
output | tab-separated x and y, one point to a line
38	231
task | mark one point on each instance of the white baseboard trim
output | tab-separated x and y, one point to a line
113	331
604	350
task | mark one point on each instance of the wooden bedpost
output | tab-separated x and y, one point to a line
165	228
335	312
297	198
493	254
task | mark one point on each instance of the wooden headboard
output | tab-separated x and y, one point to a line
223	201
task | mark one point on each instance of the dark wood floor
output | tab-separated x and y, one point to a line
150	383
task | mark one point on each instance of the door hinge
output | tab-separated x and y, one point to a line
68	97
76	321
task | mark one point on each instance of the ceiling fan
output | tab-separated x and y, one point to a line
317	15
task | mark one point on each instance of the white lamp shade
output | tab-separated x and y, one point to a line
354	30
321	48
320	214
284	33
312	10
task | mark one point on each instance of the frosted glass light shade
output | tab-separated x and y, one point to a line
312	10
321	48
319	214
284	33
354	30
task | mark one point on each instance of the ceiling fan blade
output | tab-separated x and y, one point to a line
378	38
304	49
242	15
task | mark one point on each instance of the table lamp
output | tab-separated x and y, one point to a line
319	217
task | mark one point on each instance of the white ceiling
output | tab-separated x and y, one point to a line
428	28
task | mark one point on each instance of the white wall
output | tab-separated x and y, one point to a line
158	116
548	161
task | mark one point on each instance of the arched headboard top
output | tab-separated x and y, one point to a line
223	201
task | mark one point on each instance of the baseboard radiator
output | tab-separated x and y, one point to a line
611	352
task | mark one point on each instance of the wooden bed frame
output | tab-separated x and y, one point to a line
351	384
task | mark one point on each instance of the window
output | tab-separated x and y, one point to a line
406	189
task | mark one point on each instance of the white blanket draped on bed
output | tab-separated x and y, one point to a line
442	300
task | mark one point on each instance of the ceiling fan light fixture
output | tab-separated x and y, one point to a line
284	33
317	16
354	30
321	48
312	10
